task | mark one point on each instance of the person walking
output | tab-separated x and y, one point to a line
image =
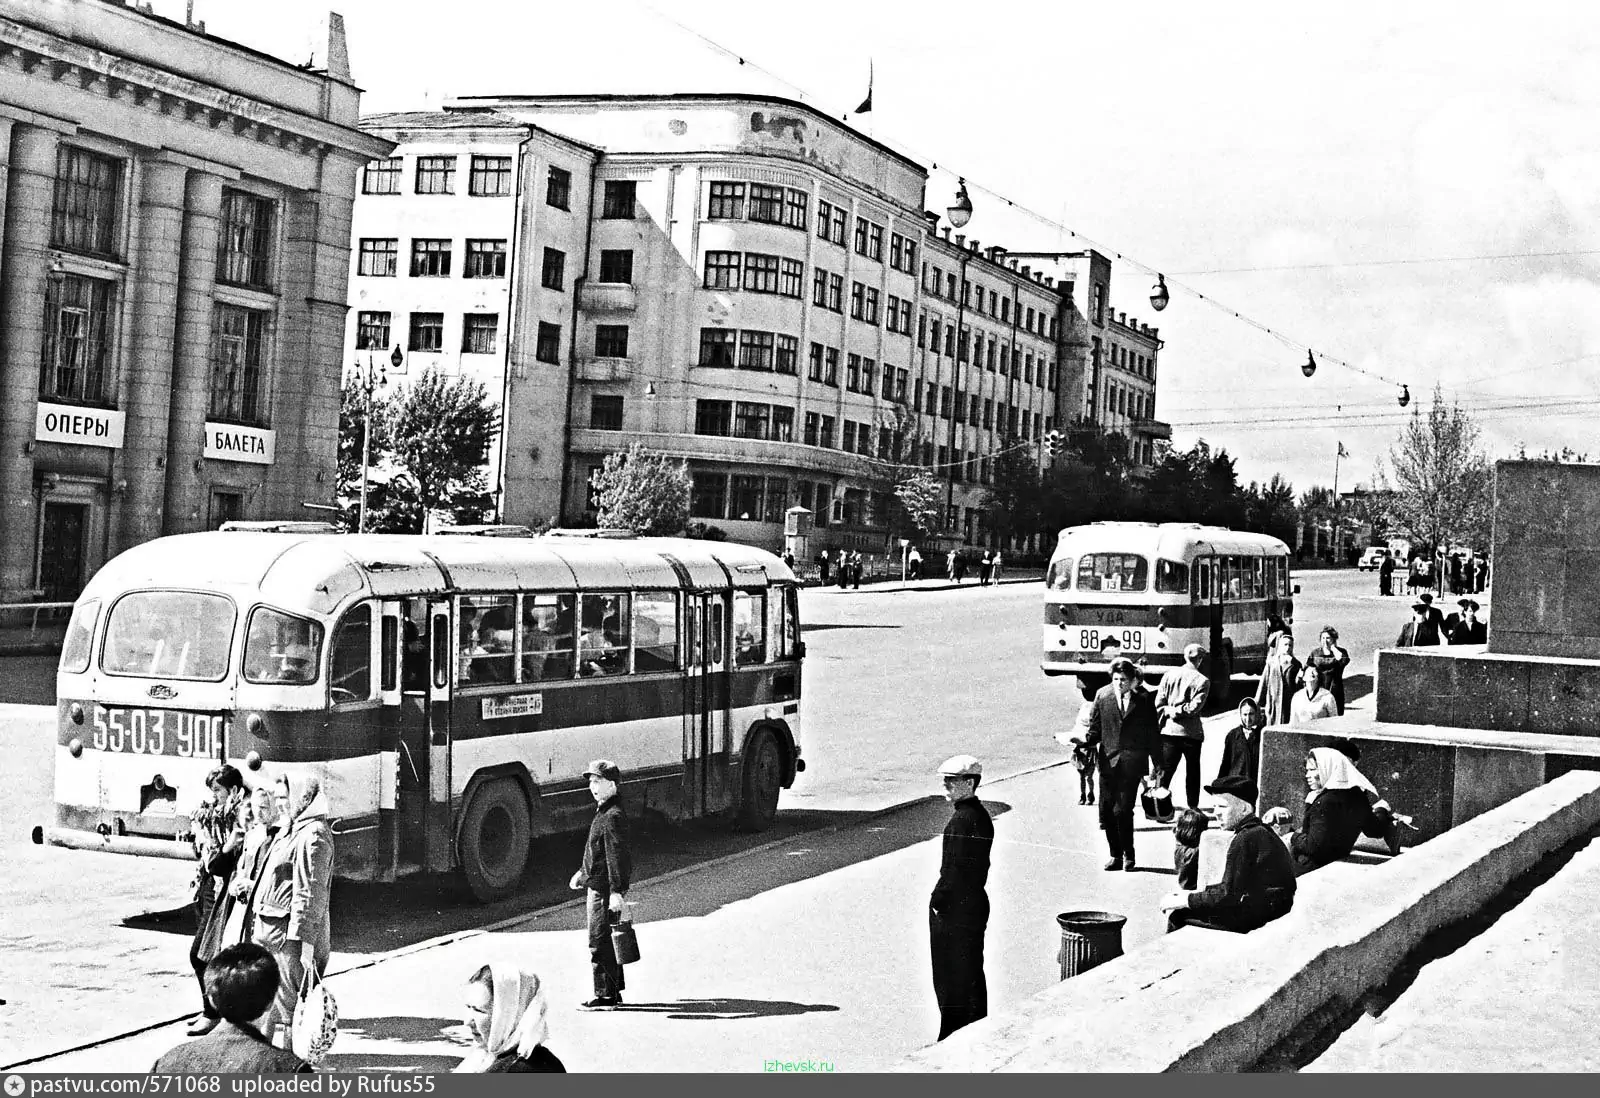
914	564
507	1017
290	902
855	569
1123	728
219	837
958	910
950	566
1420	630
823	563
260	829
1330	661
1386	576
985	569
606	871
961	565
1180	699
994	568
1279	680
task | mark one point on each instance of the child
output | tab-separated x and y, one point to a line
1186	847
1083	759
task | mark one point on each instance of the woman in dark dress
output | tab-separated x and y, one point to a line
506	1014
1330	661
218	837
1341	806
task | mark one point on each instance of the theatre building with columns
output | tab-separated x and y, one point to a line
173	282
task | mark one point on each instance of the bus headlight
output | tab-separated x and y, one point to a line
254	725
75	711
75	747
253	760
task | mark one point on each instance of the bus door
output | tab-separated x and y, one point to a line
705	722
437	854
406	678
1213	595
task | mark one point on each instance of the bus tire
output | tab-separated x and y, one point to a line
761	779
495	835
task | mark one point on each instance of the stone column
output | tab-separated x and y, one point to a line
154	307
30	193
191	357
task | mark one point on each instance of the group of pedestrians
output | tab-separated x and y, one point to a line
1429	626
1461	575
988	565
843	567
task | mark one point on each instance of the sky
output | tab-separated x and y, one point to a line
1406	188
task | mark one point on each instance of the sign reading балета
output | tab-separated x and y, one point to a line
231	442
78	426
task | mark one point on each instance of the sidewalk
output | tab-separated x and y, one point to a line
927	583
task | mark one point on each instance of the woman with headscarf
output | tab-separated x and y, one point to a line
1280	678
1341	806
289	906
218	838
506	1013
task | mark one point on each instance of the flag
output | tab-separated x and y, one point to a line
866	104
1342	451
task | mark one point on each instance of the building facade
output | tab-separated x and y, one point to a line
176	213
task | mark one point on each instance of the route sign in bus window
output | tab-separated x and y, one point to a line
603	641
655	631
280	648
170	635
1113	572
350	678
488	638
547	640
1172	577
749	627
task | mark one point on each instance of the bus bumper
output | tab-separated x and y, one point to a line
74	839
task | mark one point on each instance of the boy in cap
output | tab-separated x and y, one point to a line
958	910
607	866
1257	883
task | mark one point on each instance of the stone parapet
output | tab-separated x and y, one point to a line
1546	559
1469	687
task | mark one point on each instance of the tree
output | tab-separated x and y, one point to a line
393	506
922	497
1270	509
1015	499
1442	480
441	430
643	491
1092	482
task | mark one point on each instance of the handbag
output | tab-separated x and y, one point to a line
624	942
1155	801
316	1021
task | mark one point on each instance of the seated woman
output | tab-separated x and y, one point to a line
1341	806
1311	703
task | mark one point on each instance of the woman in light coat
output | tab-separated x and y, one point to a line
1279	681
289	907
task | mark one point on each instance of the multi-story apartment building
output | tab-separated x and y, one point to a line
176	213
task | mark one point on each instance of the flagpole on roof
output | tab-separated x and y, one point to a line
866	104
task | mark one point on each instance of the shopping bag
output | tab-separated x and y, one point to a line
1155	802
316	1021
624	942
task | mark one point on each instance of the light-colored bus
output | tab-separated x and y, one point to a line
1146	590
448	691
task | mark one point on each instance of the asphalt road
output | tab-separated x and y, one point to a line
896	681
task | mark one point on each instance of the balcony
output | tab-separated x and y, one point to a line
1152	428
593	368
607	297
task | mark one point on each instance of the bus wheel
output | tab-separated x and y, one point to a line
1090	685
495	833
763	776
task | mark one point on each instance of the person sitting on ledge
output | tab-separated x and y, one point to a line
1341	806
1257	883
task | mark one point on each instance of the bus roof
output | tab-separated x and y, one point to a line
1172	540
320	572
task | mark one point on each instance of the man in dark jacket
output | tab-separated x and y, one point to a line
607	867
1420	630
1123	727
1241	749
958	910
241	985
1257	883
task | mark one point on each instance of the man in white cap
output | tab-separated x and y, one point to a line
607	866
958	911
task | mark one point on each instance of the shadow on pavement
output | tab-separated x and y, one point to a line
400	1028
711	1010
1357	686
820	626
176	920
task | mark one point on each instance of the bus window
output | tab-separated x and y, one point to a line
170	635
1172	577
1059	575
1113	572
547	642
655	631
488	638
603	642
791	621
1258	582
281	649
1235	578
441	651
78	646
350	677
389	673
749	627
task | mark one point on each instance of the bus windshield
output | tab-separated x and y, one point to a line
281	648
1113	572
170	635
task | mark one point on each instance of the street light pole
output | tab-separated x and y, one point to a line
375	377
955	390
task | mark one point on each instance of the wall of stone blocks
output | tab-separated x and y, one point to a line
1509	693
1546	559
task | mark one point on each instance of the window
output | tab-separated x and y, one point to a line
852	373
74	350
350	671
381	176
427	332
605	412
869	239
1112	572
246	242
553	276
795	206
897	250
547	636
900	378
791	278
749	627
922	330
858	296
1029	324
944	403
988	414
864	440
830	222
372	331
236	364
488	639
823	514
722	270
869	311
170	635
281	649
611	341
87	207
436	175
777	497
713	417
825	437
747	498
813	425
616	265
708	495
868	371
819	288
766	203
619	198
478	332
655	631
836	293
490	176
761	272
716	347
727	202
430	258
378	258
558	188
548	346
814	363
1098	305
830	369
888	383
756	350
782	423
485	259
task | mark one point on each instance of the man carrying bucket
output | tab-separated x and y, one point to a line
958	911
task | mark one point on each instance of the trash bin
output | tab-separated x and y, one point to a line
1088	938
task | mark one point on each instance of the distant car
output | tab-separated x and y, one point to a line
1373	558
